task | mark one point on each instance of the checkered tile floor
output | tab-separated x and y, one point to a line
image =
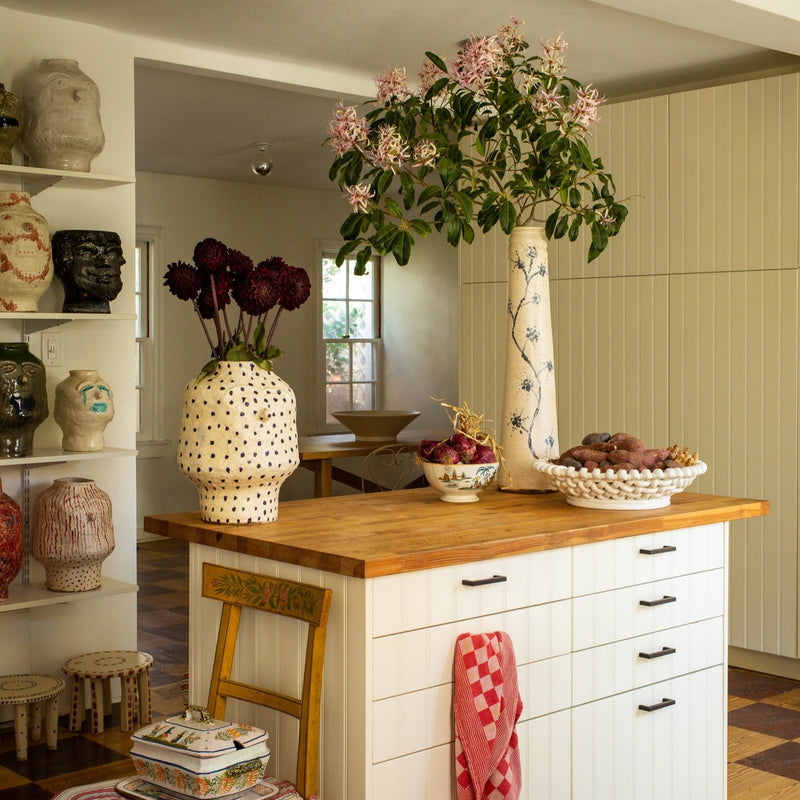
763	729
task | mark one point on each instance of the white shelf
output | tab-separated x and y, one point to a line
36	179
30	596
35	321
54	455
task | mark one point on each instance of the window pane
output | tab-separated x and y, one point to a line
337	398
334	279
361	286
362	396
363	362
361	324
337	362
334	316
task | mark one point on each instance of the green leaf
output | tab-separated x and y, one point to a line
394	207
421	226
550	224
209	369
465	201
402	248
361	261
436	60
351	227
561	228
384	182
345	251
508	215
454	231
574	229
259	338
599	237
408	190
428	192
467	232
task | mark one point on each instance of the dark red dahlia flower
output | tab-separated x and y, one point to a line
295	287
238	262
183	280
256	292
210	255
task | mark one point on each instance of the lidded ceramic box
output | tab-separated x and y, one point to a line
197	756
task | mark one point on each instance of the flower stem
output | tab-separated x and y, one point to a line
205	329
273	326
220	337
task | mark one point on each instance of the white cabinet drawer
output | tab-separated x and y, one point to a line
620	562
677	751
619	667
418	659
436	596
420	720
544	745
610	616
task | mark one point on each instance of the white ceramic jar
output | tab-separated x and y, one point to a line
25	253
84	405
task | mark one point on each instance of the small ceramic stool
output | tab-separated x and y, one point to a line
133	669
19	691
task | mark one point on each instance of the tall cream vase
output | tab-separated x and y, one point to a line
238	441
529	425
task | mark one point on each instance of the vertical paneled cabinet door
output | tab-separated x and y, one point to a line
661	742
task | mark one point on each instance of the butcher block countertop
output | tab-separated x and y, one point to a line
386	533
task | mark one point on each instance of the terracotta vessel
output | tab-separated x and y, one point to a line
72	533
11	551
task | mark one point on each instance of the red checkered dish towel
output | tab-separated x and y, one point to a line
486	708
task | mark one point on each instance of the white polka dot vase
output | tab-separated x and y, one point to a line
72	533
238	442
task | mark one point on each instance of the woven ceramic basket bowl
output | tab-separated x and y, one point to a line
626	489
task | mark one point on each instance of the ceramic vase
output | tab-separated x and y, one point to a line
238	441
529	426
23	399
83	406
26	263
10	123
11	551
72	534
62	116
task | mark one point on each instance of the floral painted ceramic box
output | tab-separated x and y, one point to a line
196	756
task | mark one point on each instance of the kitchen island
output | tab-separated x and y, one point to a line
614	615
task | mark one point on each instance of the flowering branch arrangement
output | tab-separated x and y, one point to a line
220	274
496	132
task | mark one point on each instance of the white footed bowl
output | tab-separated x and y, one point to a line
459	483
625	489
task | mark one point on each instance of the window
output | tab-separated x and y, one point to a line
148	354
350	317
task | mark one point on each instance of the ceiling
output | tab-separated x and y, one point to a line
624	47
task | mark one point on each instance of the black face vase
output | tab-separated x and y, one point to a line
89	264
23	399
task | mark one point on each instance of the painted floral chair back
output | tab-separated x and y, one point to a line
238	589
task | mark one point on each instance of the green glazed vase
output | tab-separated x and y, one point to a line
10	123
23	399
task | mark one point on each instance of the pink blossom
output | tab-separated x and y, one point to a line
392	85
391	151
582	112
425	154
480	59
552	56
428	74
604	217
359	197
510	37
545	102
346	129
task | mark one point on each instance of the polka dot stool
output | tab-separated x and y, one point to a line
133	669
21	690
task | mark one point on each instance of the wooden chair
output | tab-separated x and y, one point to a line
237	590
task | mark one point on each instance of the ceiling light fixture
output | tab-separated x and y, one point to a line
261	164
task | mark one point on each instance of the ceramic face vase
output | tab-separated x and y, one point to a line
26	264
10	123
238	442
23	399
11	551
83	407
89	264
62	116
72	534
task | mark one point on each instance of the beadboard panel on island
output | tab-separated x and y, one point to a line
686	329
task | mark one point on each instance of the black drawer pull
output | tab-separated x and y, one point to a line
484	581
664	651
663	704
667	548
667	598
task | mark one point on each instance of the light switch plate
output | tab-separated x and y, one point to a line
52	346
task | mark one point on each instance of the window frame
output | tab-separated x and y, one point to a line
151	412
329	249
